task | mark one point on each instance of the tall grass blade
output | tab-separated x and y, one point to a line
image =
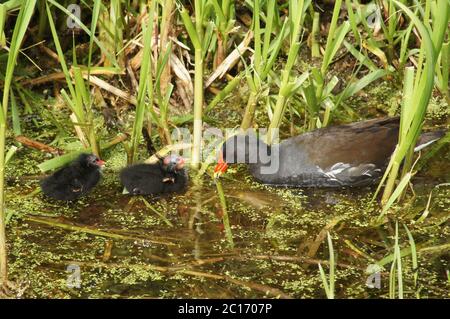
20	28
145	73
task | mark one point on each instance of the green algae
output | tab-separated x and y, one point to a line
266	221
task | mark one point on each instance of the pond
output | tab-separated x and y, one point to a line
111	245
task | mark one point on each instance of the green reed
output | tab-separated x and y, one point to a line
20	28
418	86
266	48
329	284
295	20
145	88
200	41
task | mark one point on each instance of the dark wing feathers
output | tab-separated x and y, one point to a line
370	142
151	179
70	182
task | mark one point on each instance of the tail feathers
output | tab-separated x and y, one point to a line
428	138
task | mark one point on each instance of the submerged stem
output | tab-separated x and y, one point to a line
225	217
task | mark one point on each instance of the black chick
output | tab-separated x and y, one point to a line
165	176
74	180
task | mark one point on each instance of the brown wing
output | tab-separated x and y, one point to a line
368	142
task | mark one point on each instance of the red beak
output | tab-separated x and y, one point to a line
101	163
221	166
180	163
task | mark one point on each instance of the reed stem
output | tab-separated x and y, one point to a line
3	251
198	108
166	26
225	217
390	183
20	28
247	120
315	52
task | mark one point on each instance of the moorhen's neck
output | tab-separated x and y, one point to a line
246	149
85	170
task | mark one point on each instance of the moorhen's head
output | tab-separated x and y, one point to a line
90	160
240	149
173	163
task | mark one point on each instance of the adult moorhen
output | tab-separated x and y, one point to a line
347	155
74	180
166	176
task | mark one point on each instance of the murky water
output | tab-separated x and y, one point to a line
175	245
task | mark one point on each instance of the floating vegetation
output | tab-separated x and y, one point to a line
130	80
